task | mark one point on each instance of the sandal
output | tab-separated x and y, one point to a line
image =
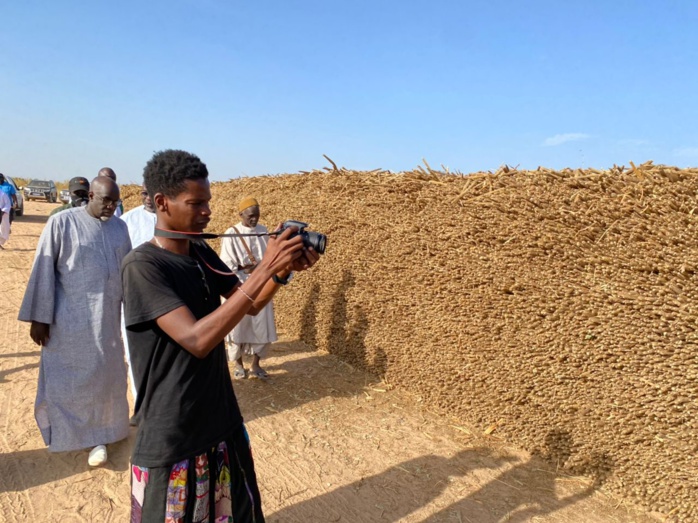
239	373
259	373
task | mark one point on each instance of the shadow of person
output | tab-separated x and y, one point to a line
308	333
6	372
337	335
390	495
558	449
32	218
20	354
527	490
348	331
306	374
24	469
303	377
376	362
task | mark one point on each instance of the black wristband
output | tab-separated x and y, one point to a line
280	281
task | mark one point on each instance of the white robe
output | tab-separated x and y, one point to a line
75	287
258	329
141	227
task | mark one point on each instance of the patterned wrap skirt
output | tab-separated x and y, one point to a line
214	487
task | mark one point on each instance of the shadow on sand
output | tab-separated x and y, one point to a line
25	469
31	218
306	377
6	372
524	491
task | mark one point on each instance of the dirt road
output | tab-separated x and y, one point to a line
330	443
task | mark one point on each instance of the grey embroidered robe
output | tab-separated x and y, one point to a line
75	287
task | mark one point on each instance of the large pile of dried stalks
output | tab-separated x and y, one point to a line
556	309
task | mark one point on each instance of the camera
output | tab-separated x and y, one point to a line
312	239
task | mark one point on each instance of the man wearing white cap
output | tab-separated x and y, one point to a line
253	334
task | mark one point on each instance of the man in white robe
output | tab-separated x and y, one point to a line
73	301
253	334
141	220
141	226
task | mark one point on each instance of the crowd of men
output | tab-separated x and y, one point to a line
147	282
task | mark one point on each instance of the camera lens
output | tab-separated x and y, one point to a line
315	240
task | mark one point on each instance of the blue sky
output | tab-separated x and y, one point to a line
266	87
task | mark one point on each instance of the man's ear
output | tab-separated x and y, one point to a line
160	202
91	195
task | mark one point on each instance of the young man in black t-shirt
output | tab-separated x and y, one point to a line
191	461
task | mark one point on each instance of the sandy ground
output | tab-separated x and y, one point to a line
330	444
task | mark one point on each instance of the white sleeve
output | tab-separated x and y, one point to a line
228	254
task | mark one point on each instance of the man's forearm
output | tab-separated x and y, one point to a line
201	336
266	295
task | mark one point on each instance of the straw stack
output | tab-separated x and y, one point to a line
529	303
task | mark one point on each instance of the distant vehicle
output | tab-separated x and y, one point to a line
41	190
17	210
65	196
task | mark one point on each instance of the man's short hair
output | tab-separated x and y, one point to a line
167	171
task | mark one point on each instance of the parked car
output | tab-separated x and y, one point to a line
65	196
17	210
41	190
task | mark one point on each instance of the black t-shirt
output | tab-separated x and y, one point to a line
185	405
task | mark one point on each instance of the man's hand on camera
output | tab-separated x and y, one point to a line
306	261
282	251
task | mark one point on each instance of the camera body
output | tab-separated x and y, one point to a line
316	240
